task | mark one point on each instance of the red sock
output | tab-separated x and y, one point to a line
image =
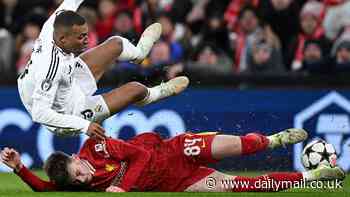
253	142
267	183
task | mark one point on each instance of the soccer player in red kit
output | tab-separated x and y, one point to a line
149	163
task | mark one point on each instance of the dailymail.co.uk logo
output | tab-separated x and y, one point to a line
329	117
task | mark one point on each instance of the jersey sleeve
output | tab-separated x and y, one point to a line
47	30
136	158
35	182
45	90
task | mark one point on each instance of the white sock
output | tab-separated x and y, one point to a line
154	94
308	176
129	52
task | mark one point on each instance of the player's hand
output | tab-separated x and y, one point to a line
11	158
114	189
96	131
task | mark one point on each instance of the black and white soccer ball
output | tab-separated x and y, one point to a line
318	152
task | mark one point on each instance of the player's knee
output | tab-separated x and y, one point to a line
249	143
254	138
116	45
259	139
138	90
253	142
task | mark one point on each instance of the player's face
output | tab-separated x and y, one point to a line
77	41
79	171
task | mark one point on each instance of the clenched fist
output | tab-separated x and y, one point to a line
11	158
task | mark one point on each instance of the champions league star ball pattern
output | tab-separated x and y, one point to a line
318	152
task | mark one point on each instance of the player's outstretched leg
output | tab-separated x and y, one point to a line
277	181
285	180
101	57
220	182
136	93
229	145
118	48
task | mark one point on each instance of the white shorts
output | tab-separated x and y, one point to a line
86	105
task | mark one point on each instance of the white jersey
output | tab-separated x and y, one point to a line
47	85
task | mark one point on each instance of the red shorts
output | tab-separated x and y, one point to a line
196	147
187	164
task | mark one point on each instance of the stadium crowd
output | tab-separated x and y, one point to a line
252	37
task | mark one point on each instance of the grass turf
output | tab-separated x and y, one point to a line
11	185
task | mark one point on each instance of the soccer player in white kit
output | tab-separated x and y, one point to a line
60	79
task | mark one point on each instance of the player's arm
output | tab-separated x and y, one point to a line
136	158
47	30
11	158
43	97
44	94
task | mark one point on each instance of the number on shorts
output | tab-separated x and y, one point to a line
190	149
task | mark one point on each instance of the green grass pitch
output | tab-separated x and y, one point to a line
12	186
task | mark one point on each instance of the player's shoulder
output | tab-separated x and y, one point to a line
87	146
46	52
47	62
95	147
91	142
42	48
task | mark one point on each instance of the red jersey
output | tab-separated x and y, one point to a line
153	164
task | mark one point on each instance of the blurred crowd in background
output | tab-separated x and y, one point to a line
238	37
